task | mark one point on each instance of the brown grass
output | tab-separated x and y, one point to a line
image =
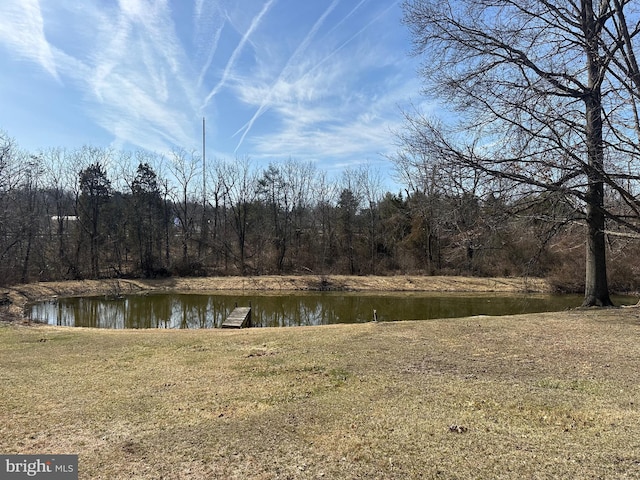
531	396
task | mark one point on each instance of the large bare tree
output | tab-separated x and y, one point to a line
545	99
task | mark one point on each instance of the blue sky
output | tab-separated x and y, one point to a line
315	80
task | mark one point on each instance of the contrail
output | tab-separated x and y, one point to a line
350	39
347	16
312	33
303	45
198	7
232	60
212	52
203	38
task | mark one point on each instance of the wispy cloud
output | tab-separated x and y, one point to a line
23	30
321	101
246	128
313	80
134	71
236	52
211	52
354	36
347	17
139	79
351	131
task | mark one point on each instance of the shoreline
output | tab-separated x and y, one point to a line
17	297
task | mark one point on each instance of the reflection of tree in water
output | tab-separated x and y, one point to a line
209	311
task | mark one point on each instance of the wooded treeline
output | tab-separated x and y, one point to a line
542	96
99	213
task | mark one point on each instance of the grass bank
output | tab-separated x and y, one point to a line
531	396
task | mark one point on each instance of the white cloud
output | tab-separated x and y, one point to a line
338	99
329	88
139	78
236	52
352	131
22	29
268	100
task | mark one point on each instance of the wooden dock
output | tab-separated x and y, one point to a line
240	317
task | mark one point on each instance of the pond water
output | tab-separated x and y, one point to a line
288	309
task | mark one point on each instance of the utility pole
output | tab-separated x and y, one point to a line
204	230
204	169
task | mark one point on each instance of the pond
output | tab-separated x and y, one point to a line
175	310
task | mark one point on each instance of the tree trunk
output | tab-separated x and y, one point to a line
596	287
27	257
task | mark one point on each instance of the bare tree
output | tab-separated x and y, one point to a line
324	193
185	169
217	217
371	188
271	187
8	237
348	209
60	180
284	188
546	94
299	178
239	181
30	209
20	210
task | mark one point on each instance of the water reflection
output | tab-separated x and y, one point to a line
294	309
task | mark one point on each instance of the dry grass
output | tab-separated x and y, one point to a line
532	396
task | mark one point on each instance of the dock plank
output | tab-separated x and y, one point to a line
240	317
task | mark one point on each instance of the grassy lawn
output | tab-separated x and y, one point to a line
531	396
